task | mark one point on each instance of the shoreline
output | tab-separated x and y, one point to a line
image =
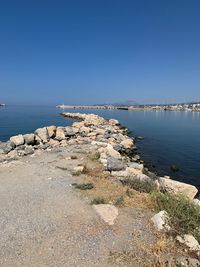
117	150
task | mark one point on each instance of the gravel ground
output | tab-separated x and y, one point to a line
45	222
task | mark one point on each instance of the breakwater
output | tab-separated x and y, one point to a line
117	151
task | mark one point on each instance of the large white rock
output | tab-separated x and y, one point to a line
51	131
161	221
42	133
29	139
177	187
60	133
110	151
190	242
196	201
127	143
17	140
107	212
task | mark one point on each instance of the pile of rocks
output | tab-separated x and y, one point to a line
117	151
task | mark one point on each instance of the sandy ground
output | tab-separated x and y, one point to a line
44	221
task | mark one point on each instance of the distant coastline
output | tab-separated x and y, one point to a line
2	105
173	107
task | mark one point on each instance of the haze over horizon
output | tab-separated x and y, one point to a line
91	52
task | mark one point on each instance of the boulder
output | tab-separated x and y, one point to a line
133	171
113	122
107	212
114	164
60	134
110	151
29	139
28	150
53	142
17	140
6	147
51	131
190	242
42	133
196	201
169	185
161	221
71	131
127	143
136	166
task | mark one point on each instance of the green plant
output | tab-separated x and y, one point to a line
119	201
184	215
98	200
141	186
94	156
83	186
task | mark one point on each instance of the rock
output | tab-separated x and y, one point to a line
115	164
133	171
13	154
187	262
53	142
79	169
196	201
51	131
113	122
161	221
110	151
136	165
71	131
60	134
6	147
127	143
101	144
190	242
28	150
107	212
29	139
42	133
17	140
177	187
64	143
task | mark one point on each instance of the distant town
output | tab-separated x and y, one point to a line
172	107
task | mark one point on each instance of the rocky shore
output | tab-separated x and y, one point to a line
117	151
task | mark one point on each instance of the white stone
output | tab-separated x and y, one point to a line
51	131
161	220
190	242
29	139
127	143
196	201
107	212
18	140
177	187
42	133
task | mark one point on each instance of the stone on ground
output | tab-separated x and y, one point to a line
107	212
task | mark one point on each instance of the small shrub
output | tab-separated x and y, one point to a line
98	200
76	173
74	157
141	186
83	186
119	201
94	156
184	215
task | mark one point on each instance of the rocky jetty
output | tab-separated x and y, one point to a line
115	149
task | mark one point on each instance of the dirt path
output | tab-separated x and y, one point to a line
45	222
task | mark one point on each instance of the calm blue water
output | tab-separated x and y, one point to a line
170	137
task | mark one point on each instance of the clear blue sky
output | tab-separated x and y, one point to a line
99	51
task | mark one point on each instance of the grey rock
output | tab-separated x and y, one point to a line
70	131
114	164
28	150
20	148
6	147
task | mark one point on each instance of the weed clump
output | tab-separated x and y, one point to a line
98	200
94	156
83	186
184	215
141	186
